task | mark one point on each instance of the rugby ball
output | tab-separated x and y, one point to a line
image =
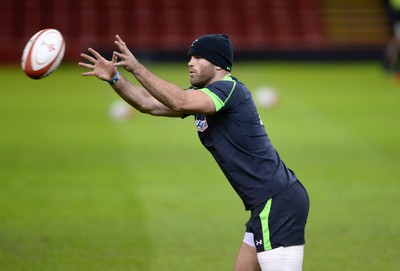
43	53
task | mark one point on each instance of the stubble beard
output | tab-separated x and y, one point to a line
200	80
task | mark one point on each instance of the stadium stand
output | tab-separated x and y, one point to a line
165	26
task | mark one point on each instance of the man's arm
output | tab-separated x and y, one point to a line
136	96
140	98
172	96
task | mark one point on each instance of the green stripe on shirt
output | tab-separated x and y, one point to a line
218	103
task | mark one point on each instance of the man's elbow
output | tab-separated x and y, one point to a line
160	110
145	110
179	106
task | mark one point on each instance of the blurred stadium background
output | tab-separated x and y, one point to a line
163	28
80	191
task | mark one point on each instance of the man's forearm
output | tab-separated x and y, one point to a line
167	93
139	98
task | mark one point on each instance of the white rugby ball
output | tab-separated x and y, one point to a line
43	53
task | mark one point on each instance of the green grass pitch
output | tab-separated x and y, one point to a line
79	191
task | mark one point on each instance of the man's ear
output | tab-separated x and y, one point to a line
218	68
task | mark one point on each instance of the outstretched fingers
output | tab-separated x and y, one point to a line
91	73
87	65
125	56
100	67
95	53
119	42
116	55
88	58
124	51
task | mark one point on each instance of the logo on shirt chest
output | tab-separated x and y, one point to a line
201	123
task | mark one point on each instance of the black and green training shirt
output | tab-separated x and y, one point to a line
236	137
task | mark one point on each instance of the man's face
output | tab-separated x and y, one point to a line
201	71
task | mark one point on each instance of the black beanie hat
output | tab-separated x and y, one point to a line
216	48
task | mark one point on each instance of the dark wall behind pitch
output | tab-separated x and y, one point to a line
166	28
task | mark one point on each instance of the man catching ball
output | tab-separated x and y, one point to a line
229	126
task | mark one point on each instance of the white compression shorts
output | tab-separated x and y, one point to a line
249	239
278	259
